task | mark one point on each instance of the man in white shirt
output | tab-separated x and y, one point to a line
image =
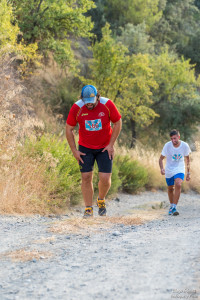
174	171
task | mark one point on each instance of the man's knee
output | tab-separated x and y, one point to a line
86	177
178	183
105	178
171	188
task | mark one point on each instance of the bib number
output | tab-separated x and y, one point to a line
93	125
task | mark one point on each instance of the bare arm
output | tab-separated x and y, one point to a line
71	140
188	167
115	133
162	170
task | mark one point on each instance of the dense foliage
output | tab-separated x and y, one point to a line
144	56
49	23
9	32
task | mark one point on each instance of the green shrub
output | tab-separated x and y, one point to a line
62	170
132	175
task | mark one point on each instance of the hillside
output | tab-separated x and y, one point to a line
18	118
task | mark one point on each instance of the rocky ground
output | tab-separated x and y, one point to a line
137	252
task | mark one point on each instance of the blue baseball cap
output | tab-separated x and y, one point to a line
88	94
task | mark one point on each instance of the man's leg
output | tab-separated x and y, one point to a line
171	193
178	183
105	172
86	169
87	188
104	184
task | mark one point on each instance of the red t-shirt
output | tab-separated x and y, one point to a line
94	125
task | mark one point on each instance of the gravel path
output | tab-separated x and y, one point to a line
148	255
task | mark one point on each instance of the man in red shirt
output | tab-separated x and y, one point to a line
94	115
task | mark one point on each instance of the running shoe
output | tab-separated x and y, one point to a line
102	207
175	212
170	211
88	212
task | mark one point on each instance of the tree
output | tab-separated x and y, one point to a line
98	17
177	100
9	32
108	64
50	23
136	39
119	13
127	80
179	28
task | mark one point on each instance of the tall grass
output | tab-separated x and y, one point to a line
22	187
194	183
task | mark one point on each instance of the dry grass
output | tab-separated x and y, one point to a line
21	179
94	225
194	183
23	255
148	215
44	240
22	187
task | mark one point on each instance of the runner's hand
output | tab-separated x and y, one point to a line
77	155
162	171
111	151
188	177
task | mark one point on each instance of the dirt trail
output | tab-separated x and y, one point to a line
137	252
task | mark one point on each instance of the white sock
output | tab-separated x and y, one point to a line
174	205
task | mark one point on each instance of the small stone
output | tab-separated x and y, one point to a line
117	199
116	233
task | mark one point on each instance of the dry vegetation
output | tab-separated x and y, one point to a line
94	225
194	184
19	178
23	255
22	187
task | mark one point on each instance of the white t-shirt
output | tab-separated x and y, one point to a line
175	158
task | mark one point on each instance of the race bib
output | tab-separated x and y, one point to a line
93	125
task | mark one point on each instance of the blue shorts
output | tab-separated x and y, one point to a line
103	161
170	181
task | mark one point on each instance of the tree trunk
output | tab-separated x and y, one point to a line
133	133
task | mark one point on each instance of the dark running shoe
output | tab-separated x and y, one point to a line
88	212
102	207
175	212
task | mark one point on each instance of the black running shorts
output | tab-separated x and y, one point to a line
103	161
